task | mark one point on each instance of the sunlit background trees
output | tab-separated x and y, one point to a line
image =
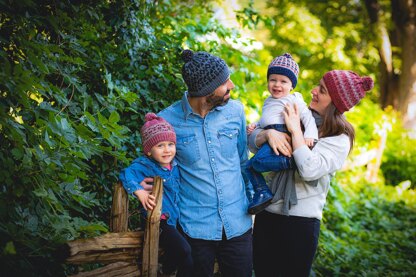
77	78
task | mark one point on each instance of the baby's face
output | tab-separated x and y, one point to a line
279	85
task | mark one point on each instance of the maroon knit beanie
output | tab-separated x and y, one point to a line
155	130
346	88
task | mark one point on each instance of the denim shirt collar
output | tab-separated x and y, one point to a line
187	109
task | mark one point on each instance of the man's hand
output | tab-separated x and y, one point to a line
146	184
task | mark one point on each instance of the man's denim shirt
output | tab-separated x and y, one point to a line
211	153
143	167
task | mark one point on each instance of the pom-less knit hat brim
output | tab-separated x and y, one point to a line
284	71
286	66
211	86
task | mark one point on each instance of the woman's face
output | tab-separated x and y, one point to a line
320	98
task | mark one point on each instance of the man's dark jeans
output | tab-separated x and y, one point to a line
234	256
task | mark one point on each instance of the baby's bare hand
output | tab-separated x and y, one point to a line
250	128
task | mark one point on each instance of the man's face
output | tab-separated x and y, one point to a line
221	95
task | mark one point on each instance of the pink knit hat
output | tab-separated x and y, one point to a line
155	130
346	88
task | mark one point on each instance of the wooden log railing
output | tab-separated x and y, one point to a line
151	237
121	251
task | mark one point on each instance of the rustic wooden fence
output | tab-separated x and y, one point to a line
124	253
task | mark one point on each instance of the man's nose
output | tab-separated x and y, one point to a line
231	84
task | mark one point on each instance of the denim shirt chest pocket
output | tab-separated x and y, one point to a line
228	141
187	149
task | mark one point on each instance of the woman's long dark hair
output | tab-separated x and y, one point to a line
334	124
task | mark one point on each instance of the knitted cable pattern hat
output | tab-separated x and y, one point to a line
155	130
346	88
203	73
284	65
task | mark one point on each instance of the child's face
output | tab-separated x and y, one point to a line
163	152
279	85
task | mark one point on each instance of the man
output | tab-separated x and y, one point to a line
211	153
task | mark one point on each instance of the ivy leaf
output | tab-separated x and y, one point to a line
9	249
114	117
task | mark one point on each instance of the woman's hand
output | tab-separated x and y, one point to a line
279	142
292	120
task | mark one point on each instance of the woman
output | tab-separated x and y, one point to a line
284	243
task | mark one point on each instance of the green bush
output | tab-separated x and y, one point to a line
368	230
399	158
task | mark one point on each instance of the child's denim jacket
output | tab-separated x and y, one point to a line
143	167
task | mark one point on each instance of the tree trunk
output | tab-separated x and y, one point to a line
397	90
404	16
387	79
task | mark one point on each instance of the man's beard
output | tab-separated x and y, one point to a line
216	101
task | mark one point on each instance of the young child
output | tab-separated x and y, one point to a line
282	77
159	147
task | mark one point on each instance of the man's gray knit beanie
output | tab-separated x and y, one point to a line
203	73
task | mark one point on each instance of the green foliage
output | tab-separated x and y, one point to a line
399	159
368	230
398	163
